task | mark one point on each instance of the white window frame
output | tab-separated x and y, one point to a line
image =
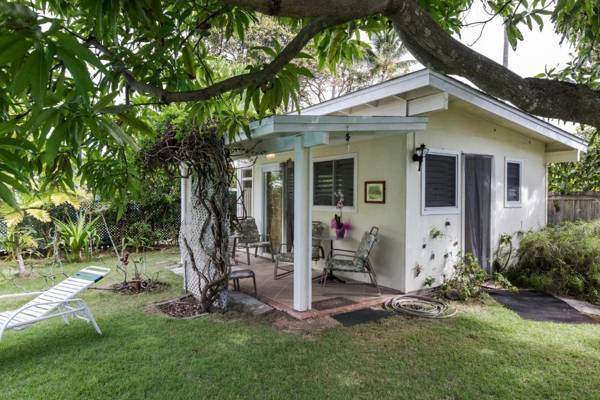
507	203
241	180
354	208
442	210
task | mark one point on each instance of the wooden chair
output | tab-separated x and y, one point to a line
248	237
355	261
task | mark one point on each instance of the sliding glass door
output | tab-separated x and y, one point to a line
273	211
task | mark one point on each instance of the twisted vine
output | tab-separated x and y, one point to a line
202	155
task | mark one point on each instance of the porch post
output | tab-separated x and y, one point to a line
302	227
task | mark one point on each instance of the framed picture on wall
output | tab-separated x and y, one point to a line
375	192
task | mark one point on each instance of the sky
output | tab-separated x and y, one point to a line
533	54
537	50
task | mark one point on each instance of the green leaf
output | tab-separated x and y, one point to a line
39	76
77	50
14	51
7	195
78	71
53	143
17	143
136	123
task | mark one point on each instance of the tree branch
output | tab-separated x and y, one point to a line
436	49
251	79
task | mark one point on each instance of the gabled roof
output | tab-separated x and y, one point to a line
428	79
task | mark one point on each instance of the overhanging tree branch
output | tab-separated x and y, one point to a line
435	48
251	79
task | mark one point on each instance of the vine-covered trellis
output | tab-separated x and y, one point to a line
201	155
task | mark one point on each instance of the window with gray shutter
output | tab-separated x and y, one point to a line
513	181
331	177
440	180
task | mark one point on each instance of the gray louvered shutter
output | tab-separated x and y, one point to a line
343	172
513	181
440	180
323	183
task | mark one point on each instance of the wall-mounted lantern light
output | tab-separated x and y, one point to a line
420	153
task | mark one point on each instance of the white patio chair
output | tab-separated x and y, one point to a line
59	301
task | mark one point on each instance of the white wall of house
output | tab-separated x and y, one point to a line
455	130
377	159
403	227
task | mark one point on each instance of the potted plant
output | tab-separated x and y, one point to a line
337	223
136	281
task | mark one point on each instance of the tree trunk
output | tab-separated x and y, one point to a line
19	257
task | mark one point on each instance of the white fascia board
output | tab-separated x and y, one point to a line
562	156
380	91
508	112
289	124
425	104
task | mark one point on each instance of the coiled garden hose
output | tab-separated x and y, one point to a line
419	306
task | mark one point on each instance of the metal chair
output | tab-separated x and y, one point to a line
248	237
355	261
238	273
284	258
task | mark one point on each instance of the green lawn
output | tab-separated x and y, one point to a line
484	352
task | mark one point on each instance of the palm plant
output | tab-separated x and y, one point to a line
387	56
77	234
19	240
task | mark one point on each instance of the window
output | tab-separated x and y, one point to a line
512	183
334	176
440	183
246	198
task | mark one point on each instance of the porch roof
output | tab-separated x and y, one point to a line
277	133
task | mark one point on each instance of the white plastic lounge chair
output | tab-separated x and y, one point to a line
59	301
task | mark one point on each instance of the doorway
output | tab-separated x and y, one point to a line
478	205
273	212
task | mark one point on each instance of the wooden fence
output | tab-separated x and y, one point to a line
573	207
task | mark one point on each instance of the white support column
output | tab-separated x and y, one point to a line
302	227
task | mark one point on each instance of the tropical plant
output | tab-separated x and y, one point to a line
387	56
77	235
18	241
562	259
466	279
140	235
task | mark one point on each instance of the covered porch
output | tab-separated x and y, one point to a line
299	135
331	299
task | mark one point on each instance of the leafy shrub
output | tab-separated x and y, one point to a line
466	281
77	234
563	260
141	235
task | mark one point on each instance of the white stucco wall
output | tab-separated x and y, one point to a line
403	228
456	130
377	159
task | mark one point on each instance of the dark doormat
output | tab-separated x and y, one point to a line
538	306
333	302
361	316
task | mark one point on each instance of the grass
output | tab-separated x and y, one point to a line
485	352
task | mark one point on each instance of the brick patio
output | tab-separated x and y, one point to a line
332	299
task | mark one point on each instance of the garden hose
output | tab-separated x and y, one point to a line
419	306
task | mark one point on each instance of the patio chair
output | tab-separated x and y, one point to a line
58	301
284	258
248	237
238	273
355	261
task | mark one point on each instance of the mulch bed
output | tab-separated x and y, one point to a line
149	286
183	307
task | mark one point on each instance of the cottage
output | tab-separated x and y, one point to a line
439	167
